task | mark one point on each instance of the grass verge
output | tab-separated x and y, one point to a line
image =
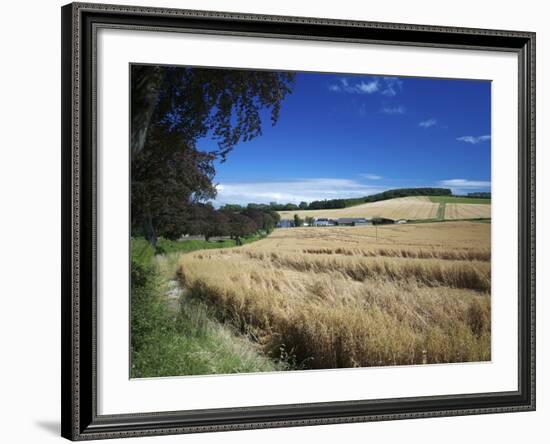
187	341
165	246
441	211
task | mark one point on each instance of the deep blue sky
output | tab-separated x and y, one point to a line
351	135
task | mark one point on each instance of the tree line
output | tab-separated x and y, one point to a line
344	203
405	192
480	195
206	221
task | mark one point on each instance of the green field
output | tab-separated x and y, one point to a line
459	200
165	246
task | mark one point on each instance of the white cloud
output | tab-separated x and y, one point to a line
293	191
459	186
427	123
474	140
392	85
371	176
387	86
465	183
357	88
367	87
394	109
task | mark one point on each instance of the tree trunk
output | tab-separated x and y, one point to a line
149	231
146	82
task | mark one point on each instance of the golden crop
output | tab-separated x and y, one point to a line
415	207
467	211
335	297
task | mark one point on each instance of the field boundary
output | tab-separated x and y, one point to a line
441	211
460	200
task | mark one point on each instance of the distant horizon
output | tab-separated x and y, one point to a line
218	205
350	136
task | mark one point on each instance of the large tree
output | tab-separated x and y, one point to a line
172	109
208	222
168	178
239	226
196	101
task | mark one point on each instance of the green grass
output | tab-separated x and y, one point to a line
191	342
187	340
165	246
459	200
441	211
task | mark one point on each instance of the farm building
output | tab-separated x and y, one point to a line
285	223
401	221
353	221
323	222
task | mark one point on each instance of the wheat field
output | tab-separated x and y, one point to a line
339	297
416	207
410	208
467	211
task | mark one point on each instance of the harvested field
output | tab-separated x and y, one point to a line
467	211
461	200
336	297
418	207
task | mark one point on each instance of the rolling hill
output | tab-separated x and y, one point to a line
411	208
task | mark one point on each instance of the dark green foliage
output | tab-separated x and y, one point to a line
168	179
330	204
405	192
298	221
248	221
166	246
482	195
233	207
272	206
172	109
196	101
207	222
382	221
265	220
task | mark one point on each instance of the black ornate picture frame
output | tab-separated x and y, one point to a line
80	420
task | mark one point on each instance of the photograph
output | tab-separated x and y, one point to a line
295	218
295	221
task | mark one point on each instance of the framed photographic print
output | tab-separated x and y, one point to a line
280	221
